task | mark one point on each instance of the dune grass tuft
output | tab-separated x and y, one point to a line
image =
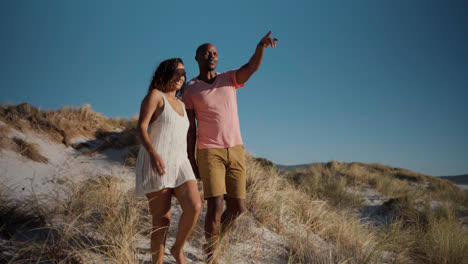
110	217
131	156
61	125
29	150
316	231
69	122
325	182
99	222
417	208
4	140
32	237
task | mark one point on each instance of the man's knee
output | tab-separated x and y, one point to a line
237	211
235	206
215	207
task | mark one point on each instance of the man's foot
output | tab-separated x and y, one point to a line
178	254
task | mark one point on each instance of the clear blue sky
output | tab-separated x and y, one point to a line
370	81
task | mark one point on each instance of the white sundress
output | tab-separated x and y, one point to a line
168	135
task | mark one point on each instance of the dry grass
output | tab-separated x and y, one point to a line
316	231
307	209
423	211
389	181
101	222
110	218
98	222
4	130
131	156
68	122
27	225
29	150
325	182
118	140
445	241
61	125
4	140
425	235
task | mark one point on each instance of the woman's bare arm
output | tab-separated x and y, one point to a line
150	106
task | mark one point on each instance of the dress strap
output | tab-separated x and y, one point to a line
181	104
166	102
164	97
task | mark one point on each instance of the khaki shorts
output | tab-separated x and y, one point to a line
222	171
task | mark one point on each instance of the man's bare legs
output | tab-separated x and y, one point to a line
214	215
212	225
160	209
189	200
234	207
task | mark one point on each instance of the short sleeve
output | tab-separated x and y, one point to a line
187	99
232	77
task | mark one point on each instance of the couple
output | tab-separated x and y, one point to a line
166	162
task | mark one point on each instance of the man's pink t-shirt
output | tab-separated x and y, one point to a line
215	108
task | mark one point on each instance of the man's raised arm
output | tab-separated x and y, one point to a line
244	73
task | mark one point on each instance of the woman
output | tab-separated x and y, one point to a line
162	166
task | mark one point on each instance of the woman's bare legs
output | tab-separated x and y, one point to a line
189	200
160	209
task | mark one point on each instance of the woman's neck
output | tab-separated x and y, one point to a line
171	94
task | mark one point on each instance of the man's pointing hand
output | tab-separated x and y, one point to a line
267	41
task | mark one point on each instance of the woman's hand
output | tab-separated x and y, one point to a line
157	164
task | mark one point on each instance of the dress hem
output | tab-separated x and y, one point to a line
144	192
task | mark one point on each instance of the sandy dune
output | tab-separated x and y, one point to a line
23	177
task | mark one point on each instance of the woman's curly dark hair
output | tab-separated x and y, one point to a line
163	75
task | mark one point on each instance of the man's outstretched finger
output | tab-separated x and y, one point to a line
268	34
275	40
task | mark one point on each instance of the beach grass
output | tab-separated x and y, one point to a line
100	220
29	150
316	211
60	125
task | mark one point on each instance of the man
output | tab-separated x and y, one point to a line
211	99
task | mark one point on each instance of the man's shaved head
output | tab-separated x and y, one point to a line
202	47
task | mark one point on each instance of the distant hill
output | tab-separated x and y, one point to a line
294	167
457	179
